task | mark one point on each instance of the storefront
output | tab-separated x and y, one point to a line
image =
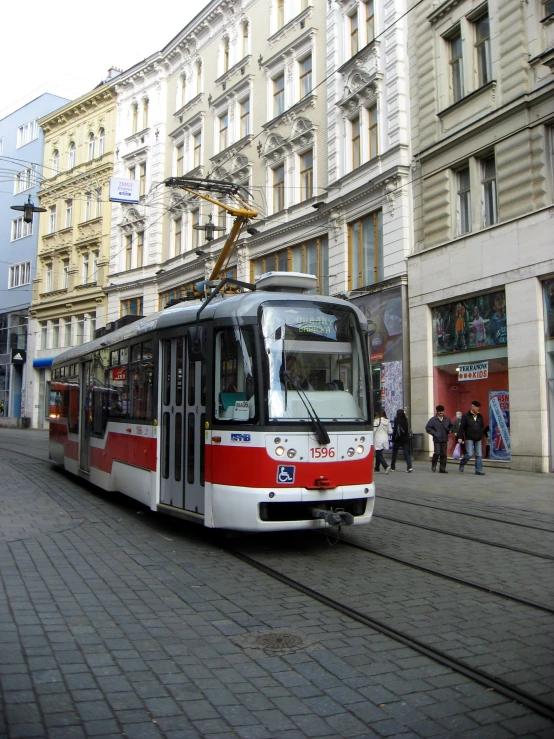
548	295
470	362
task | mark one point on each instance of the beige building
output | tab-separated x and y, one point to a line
74	233
480	281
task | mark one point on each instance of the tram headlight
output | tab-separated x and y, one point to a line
362	439
350	451
291	454
360	449
279	451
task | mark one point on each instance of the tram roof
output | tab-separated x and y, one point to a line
239	305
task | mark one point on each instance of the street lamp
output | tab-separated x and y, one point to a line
28	209
209	228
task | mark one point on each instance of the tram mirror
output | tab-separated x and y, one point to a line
197	343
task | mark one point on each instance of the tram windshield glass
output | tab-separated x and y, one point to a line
315	362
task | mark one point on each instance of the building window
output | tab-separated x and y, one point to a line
225	54
223	128
43	334
134	118
370	21
67	332
55	162
280	13
20	229
195	221
27	133
354	36
85	268
68	213
278	188
20	274
483	50
464	201
245	39
197	140
373	132
456	66
80	329
279	95
95	256
128	252
25	179
245	117
306	174
365	242
65	274
310	257
306	76
142	178
174	294
52	219
182	91
177	236
356	144
91	145
488	182
132	173
88	206
131	307
48	282
55	333
198	78
179	153
140	248
98	194
101	139
145	105
71	156
548	8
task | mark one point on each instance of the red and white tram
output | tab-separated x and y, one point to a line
248	412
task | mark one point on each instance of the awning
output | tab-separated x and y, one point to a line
43	362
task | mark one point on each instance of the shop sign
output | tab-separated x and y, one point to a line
473	371
499	425
119	374
470	323
124	191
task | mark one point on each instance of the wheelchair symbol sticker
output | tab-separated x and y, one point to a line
285	474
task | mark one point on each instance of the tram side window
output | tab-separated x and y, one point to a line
141	373
117	385
235	383
100	394
73	405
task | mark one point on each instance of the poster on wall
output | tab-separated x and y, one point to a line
383	311
470	323
499	425
391	389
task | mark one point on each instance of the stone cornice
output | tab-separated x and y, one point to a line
226	76
100	98
361	58
291	25
97	172
192	122
180	114
291	113
228	94
231	151
443	8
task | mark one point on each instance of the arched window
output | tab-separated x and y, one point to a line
134	115
101	137
71	156
145	114
225	51
55	162
91	144
245	39
198	78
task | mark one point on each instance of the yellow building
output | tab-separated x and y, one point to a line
74	235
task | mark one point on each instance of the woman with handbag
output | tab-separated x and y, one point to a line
401	440
381	431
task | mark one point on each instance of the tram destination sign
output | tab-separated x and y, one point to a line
474	371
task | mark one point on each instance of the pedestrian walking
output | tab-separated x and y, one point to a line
439	426
381	431
472	429
401	440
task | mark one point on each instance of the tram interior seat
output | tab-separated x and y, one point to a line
326	403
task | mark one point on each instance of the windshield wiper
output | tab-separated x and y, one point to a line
320	431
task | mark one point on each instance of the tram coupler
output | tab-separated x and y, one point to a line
338	517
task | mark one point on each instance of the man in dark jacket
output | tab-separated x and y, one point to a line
439	427
472	429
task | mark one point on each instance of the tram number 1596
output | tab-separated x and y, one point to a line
320	452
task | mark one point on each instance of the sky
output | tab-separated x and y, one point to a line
66	48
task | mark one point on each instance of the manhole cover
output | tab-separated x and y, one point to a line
278	641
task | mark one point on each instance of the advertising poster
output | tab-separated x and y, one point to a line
470	323
391	390
499	423
383	311
548	292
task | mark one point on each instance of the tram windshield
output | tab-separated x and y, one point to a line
315	362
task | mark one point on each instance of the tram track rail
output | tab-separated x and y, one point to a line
467	537
465	513
481	676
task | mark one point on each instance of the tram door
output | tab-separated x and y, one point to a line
182	456
86	416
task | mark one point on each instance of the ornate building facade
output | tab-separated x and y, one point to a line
481	280
73	251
